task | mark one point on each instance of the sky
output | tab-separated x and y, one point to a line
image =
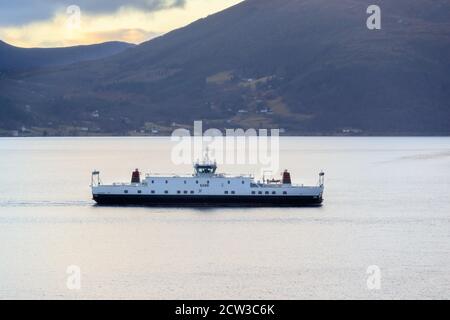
58	23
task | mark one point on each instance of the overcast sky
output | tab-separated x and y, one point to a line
50	23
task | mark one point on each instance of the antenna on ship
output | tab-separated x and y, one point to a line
95	174
321	178
206	159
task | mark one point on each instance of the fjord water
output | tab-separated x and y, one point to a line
386	204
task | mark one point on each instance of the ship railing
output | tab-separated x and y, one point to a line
242	175
280	185
168	175
121	184
218	175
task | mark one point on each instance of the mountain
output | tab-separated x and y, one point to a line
308	66
14	58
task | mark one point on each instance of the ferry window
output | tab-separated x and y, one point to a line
259	192
167	181
232	192
184	181
166	191
284	192
192	192
153	181
243	182
139	191
196	181
273	192
267	192
206	169
125	191
253	192
185	192
228	181
226	192
178	191
153	191
207	182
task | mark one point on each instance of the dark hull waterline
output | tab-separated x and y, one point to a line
208	201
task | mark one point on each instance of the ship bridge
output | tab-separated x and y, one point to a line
205	167
202	169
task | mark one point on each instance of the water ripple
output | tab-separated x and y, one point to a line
45	203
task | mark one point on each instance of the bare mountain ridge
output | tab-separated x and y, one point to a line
14	58
310	66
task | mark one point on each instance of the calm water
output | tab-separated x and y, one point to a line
386	204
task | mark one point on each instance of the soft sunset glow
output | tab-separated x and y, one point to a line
130	24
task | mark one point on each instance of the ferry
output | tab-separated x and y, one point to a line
206	187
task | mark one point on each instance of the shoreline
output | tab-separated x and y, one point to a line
375	135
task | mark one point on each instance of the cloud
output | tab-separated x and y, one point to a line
107	6
124	25
112	22
18	12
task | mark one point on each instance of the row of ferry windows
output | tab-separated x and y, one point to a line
197	182
267	192
153	191
192	192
